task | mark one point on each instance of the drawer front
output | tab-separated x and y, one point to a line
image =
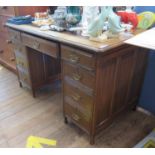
7	10
42	45
78	99
77	117
79	57
15	36
79	74
6	52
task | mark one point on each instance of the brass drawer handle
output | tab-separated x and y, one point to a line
76	97
12	59
74	58
36	45
75	117
76	77
9	41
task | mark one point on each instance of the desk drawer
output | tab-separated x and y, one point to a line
15	36
78	99
48	47
77	117
79	57
79	74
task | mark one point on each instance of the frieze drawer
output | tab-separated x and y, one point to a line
79	57
45	46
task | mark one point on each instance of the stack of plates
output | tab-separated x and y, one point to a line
146	20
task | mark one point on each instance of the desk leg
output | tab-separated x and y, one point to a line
20	84
33	93
65	120
92	139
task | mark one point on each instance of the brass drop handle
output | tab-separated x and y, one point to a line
1	51
74	58
75	117
76	76
12	59
9	41
76	97
36	45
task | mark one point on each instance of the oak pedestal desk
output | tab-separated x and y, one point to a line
99	80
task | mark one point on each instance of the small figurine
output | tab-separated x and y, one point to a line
114	23
88	15
96	26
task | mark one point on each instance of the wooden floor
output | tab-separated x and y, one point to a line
21	116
